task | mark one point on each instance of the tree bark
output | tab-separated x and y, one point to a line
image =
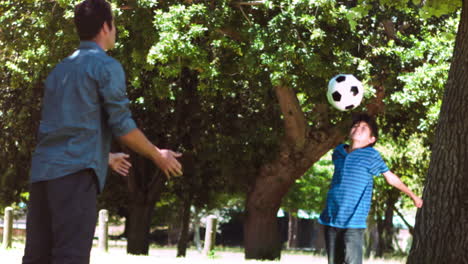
441	224
184	232
261	236
293	230
145	187
138	228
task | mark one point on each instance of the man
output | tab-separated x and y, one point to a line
84	105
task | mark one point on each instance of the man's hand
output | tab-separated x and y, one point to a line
165	159
168	163
119	163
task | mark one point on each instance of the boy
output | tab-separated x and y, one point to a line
85	105
349	197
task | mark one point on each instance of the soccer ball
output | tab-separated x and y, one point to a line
345	92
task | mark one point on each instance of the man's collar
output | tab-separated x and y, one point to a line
90	45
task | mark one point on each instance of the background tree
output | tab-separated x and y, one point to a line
442	217
411	115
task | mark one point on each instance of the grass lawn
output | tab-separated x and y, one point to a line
117	255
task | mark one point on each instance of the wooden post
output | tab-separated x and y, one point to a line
8	228
210	234
103	230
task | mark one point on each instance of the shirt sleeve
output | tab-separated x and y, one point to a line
114	97
378	165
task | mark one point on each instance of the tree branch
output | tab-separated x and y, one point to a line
230	33
389	28
245	15
250	3
295	124
377	105
320	141
410	227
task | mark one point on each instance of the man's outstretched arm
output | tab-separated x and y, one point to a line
165	159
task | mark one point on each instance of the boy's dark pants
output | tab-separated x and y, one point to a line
61	220
344	245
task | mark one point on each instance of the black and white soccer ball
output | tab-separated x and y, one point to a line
345	92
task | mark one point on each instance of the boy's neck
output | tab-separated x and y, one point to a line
357	145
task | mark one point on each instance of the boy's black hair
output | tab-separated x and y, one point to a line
370	121
90	16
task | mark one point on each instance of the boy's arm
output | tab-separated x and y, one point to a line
395	181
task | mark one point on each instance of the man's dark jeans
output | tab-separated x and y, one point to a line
344	245
61	220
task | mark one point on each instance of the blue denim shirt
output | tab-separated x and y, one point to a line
85	104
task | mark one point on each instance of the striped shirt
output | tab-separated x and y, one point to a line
349	197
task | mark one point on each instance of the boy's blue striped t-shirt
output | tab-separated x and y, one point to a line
350	194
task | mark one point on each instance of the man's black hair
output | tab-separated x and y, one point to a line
90	16
370	121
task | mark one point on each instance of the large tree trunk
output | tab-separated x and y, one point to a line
441	224
184	232
261	236
299	150
293	230
138	229
145	186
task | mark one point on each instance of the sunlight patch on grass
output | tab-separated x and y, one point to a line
118	255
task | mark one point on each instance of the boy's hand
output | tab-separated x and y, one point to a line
169	164
118	163
418	202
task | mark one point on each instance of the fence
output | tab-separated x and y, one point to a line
103	231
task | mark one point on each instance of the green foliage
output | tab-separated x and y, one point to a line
309	193
293	41
439	7
423	87
30	34
407	158
176	46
